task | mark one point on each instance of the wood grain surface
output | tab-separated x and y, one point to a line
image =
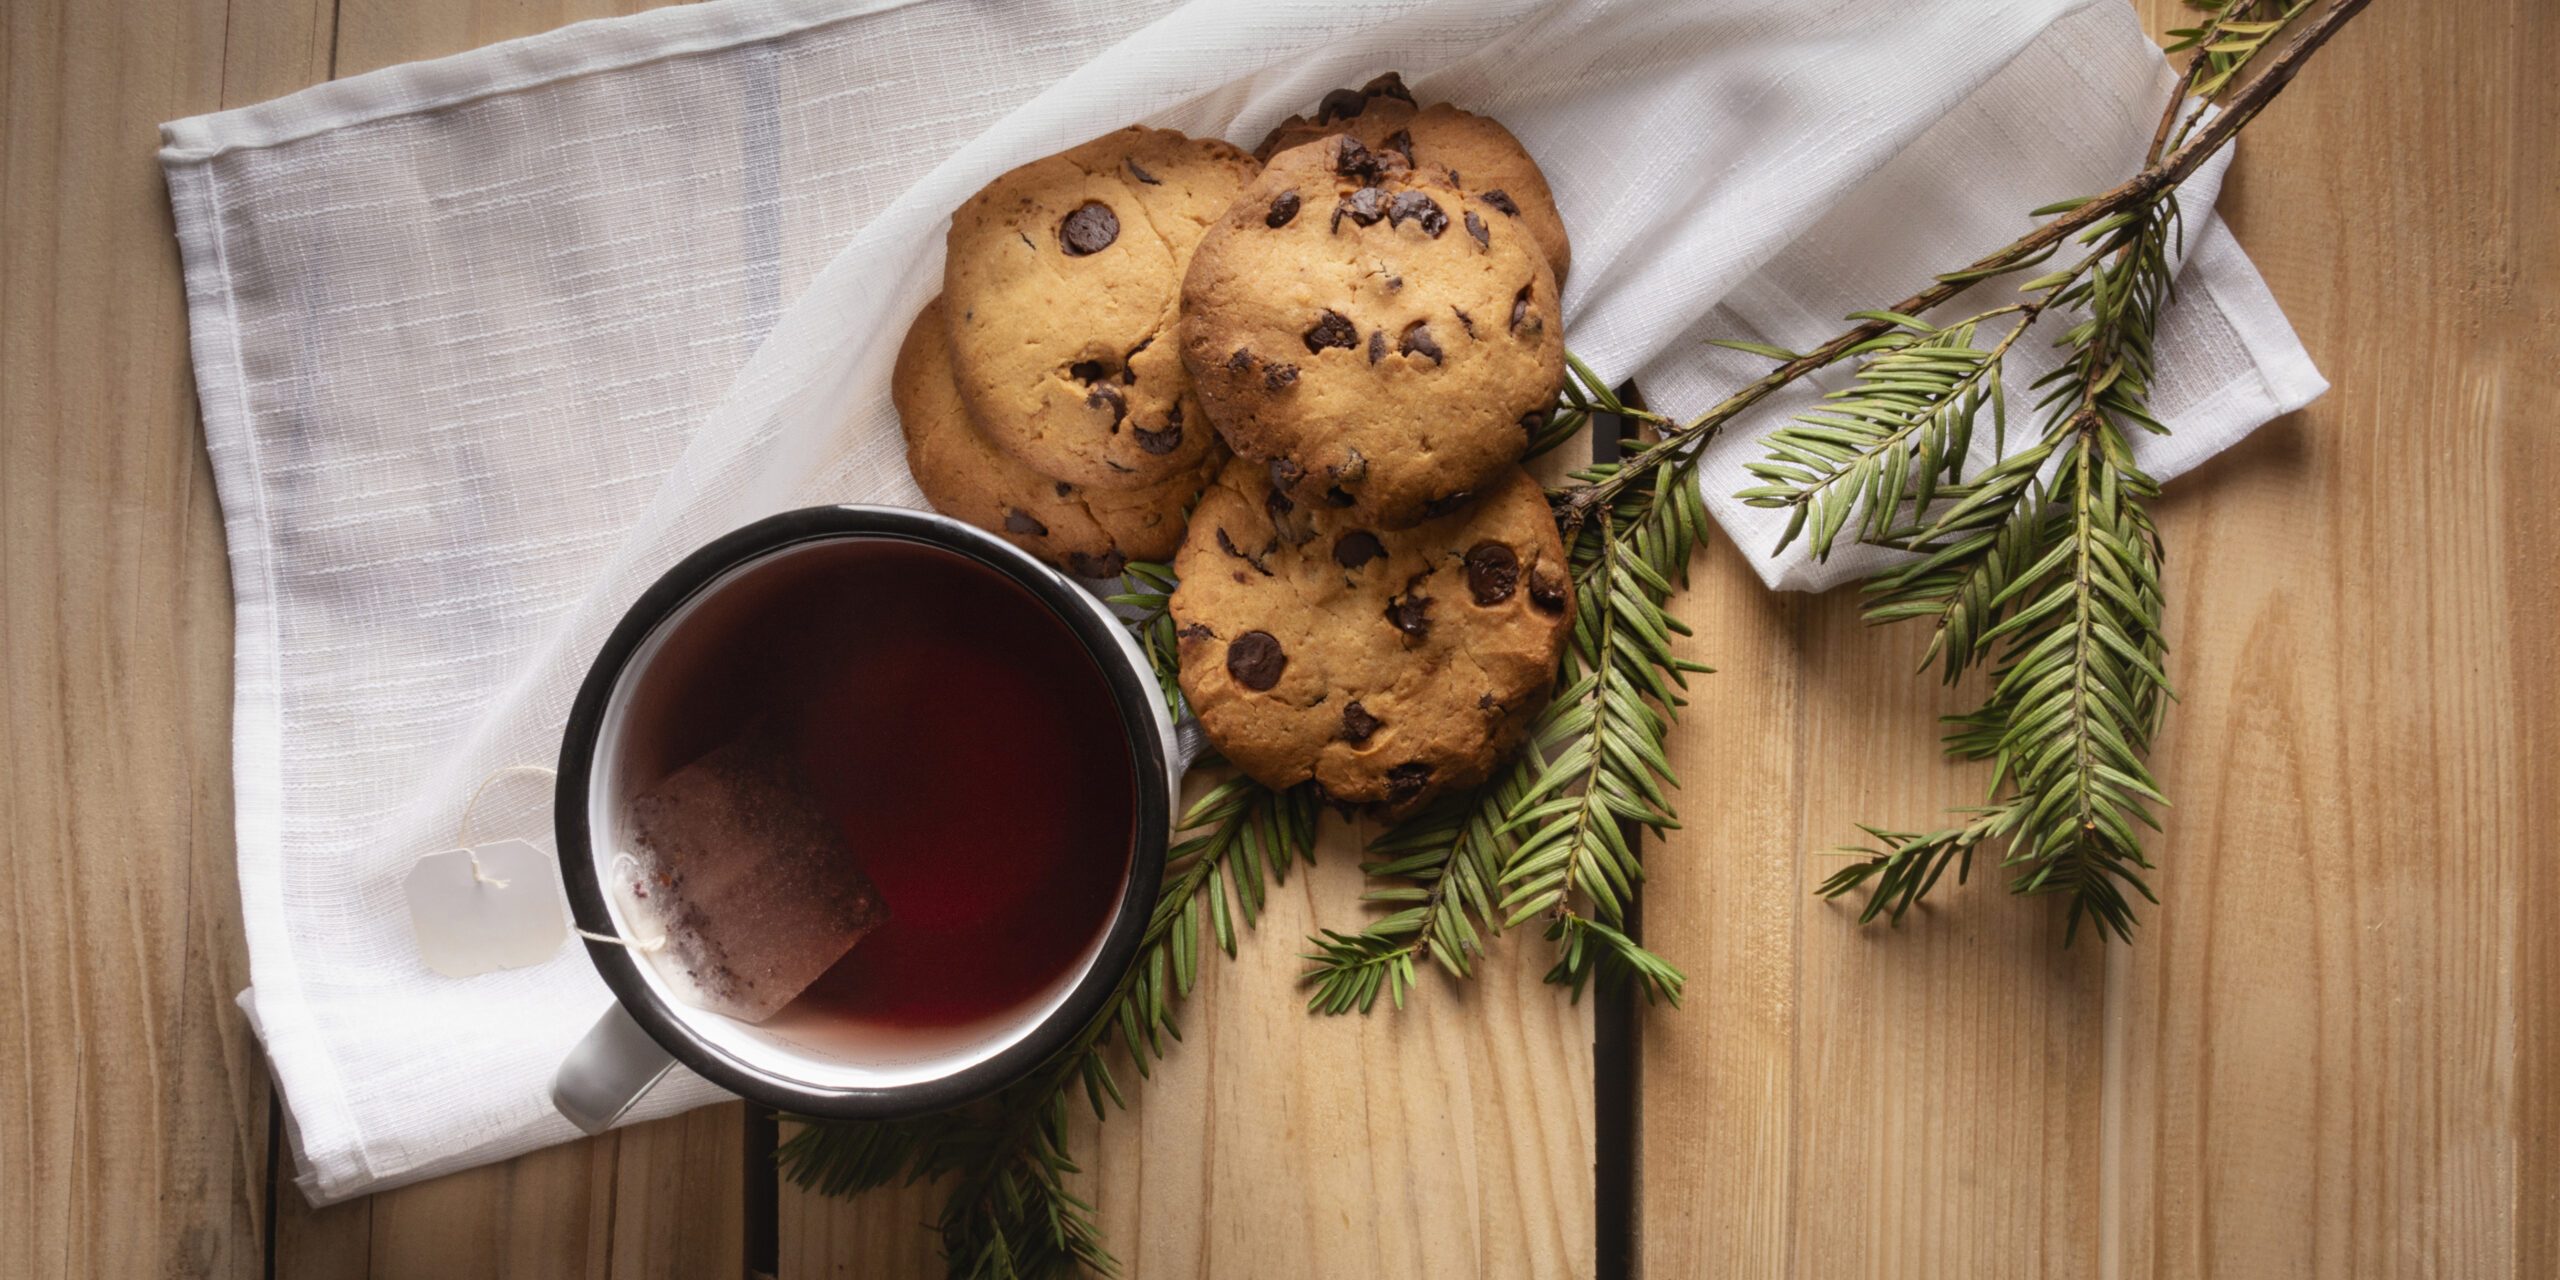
2332	1051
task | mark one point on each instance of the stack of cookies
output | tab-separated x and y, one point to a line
1042	395
1373	594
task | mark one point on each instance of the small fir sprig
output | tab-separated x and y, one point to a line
2045	566
1147	593
1009	1213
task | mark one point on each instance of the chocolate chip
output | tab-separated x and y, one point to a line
1331	329
1534	422
1395	284
1090	229
1476	228
1387	84
1161	442
1351	159
1357	548
1455	180
1406	781
1421	210
1400	142
1107	565
1364	206
1017	520
1493	570
1284	207
1255	660
1377	345
1089	371
1279	377
1417	342
1106	394
1411	615
1240	361
1292	526
1141	174
1228	545
1353	468
1500	200
1465	321
1357	724
1341	104
1546	589
1339	497
1285	473
1520	307
1064	488
1201	631
1438	507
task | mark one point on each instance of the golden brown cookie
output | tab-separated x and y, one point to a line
1061	286
1091	533
1387	666
1479	155
1383	342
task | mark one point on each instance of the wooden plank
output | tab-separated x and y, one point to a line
135	1140
2320	1069
1452	1139
2331	1049
373	34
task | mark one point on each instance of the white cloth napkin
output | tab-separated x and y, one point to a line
485	343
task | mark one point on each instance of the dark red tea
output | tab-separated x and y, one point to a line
955	728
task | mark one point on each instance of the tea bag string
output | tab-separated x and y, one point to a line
649	946
462	836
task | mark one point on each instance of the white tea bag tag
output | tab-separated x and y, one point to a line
508	915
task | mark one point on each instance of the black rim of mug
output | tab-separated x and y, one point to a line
1133	692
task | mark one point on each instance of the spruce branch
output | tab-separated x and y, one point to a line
2046	565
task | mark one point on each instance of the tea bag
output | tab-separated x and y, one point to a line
745	876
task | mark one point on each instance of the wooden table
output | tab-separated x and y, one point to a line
2334	1049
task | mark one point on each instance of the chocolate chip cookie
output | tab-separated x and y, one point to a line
1386	665
1479	155
1091	533
1060	292
1387	344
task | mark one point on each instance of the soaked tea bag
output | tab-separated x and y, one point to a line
746	877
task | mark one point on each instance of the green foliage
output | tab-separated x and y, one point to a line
1148	596
2045	566
2238	32
1443	867
1010	1214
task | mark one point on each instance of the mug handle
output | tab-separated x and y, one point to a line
611	1068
